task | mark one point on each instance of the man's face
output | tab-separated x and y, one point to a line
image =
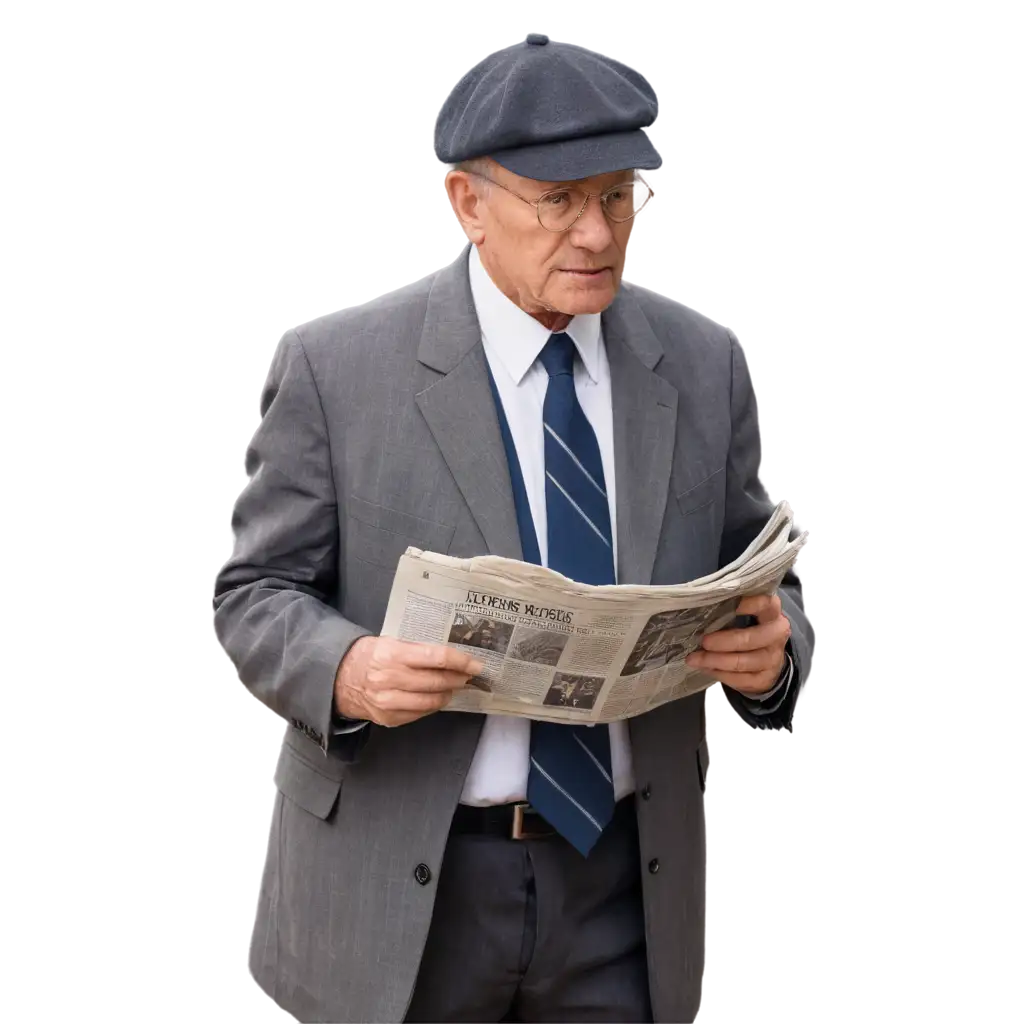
570	272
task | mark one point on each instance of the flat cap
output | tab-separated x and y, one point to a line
550	111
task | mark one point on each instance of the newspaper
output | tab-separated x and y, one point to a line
562	651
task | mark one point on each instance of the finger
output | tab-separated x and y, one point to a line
760	660
750	685
764	606
392	719
768	634
414	680
407	701
437	656
430	680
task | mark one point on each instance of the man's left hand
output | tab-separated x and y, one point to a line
748	660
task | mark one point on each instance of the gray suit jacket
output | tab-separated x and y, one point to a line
379	431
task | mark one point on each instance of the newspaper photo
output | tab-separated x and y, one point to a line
564	651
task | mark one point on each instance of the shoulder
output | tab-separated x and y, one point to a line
362	358
694	347
389	318
676	324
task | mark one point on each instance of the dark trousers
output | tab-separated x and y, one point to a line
530	930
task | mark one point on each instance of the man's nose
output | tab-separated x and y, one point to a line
592	231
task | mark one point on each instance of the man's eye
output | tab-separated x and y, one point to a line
556	199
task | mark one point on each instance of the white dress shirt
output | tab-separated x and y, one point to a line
512	342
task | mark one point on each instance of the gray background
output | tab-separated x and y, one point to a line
174	187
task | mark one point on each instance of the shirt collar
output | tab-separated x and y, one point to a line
515	337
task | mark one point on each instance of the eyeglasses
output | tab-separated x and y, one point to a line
560	208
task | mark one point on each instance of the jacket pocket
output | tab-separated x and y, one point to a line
313	790
702	494
379	535
691	537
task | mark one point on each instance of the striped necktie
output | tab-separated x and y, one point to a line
570	781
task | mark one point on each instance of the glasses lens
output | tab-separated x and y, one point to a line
626	200
558	210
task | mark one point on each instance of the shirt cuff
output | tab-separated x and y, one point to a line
343	726
763	703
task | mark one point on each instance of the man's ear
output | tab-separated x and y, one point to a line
464	195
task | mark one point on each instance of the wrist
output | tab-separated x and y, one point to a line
346	709
769	702
345	706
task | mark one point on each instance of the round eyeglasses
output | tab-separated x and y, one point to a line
560	208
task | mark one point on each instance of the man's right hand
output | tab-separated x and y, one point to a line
393	682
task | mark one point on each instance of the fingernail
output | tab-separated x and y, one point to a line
476	667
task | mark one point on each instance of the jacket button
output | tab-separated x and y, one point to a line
422	874
646	792
654	866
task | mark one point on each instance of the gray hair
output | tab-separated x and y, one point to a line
478	165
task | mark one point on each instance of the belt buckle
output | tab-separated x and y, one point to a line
523	828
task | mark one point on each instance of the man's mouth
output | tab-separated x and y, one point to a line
587	273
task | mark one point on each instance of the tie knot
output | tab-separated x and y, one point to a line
557	354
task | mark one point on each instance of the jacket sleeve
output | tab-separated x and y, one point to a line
274	599
747	509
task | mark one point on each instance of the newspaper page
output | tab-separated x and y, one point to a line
564	651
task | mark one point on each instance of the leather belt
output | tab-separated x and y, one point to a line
516	821
510	821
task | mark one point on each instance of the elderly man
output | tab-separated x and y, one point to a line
522	401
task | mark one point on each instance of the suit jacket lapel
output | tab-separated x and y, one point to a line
460	413
644	424
459	409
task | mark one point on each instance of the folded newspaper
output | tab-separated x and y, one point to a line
563	651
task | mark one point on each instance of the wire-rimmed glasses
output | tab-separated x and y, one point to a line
559	208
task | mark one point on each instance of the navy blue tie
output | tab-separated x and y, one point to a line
570	781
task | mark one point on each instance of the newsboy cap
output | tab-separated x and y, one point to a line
549	111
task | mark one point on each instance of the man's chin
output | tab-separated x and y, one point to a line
576	301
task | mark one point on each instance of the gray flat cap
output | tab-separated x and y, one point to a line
549	111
